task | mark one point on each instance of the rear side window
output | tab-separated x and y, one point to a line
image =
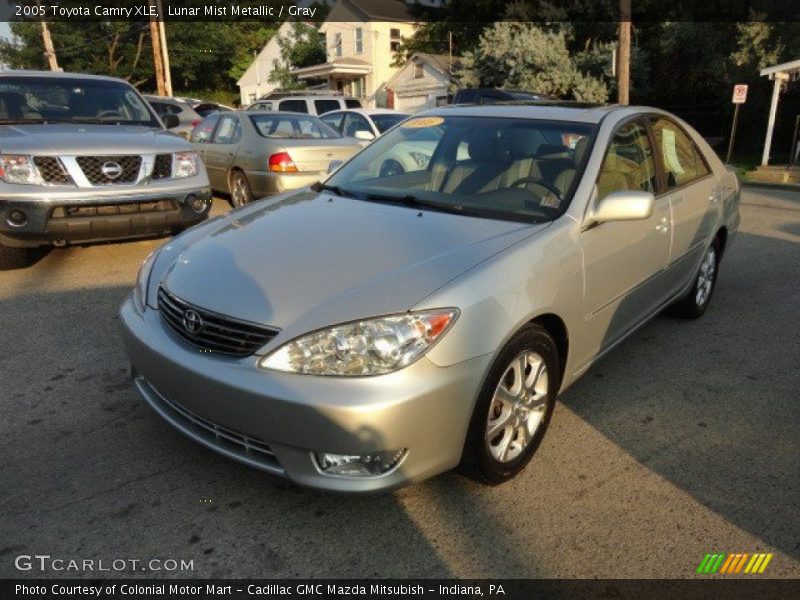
298	106
680	158
352	103
334	120
325	106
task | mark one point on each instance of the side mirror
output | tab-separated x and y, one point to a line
170	121
631	205
364	135
334	165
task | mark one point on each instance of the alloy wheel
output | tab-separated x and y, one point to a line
705	280
518	407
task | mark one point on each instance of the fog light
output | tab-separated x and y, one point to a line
360	465
198	205
16	218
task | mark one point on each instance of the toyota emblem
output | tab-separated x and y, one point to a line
192	321
111	169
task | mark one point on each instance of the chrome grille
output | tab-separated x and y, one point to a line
162	168
214	332
51	170
92	167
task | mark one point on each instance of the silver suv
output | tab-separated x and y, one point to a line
85	158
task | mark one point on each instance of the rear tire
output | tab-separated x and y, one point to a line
514	408
695	303
14	258
241	192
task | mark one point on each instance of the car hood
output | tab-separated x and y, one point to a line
311	260
75	139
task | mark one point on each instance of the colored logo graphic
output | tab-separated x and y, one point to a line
730	564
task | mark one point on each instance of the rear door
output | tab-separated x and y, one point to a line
219	154
691	189
624	261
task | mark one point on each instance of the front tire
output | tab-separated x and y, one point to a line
391	168
694	304
241	192
514	408
14	258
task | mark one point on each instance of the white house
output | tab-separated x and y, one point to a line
255	82
361	37
423	82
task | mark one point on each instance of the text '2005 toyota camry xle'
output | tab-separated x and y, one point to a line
374	331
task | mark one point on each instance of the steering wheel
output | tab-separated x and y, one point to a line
539	181
109	113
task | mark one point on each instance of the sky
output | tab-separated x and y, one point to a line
5	30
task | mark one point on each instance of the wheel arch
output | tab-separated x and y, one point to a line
722	236
555	326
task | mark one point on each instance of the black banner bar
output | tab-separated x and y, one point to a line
390	589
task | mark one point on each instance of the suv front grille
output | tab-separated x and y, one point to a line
123	208
162	168
211	331
92	167
51	170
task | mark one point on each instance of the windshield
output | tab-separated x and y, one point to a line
386	122
56	99
521	169
295	127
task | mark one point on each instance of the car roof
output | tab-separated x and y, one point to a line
549	111
287	113
369	111
57	75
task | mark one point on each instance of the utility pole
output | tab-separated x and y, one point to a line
158	63
49	50
624	53
162	34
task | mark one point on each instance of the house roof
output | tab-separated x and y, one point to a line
341	65
284	30
442	62
384	10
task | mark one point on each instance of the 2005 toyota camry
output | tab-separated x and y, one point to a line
374	331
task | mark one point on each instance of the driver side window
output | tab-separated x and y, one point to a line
628	163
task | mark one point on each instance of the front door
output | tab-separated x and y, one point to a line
624	260
220	152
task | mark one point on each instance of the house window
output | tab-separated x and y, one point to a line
337	44
358	87
359	40
394	40
418	70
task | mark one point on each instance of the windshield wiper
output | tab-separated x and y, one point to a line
413	202
319	187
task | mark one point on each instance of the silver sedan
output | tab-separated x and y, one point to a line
371	331
254	154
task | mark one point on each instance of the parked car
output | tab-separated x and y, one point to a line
493	96
375	331
188	118
254	154
366	125
85	158
311	104
205	108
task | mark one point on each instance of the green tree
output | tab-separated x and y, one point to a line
530	57
304	47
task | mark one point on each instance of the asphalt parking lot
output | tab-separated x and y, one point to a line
683	441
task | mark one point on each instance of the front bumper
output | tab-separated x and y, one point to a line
84	215
276	421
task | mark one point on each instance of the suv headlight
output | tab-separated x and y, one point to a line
16	168
363	348
185	164
143	281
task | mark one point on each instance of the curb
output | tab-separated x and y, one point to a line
789	187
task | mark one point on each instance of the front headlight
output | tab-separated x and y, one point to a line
143	280
185	164
16	168
362	348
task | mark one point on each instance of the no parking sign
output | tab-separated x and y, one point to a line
739	93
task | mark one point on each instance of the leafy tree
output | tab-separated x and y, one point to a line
304	47
529	57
